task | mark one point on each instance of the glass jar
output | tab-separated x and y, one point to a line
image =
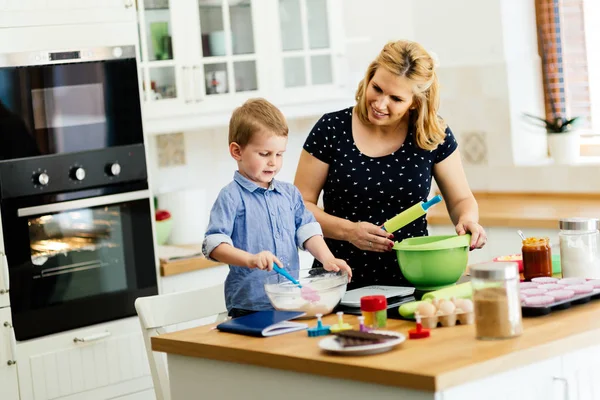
537	258
579	253
496	300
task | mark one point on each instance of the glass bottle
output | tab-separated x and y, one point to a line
579	252
496	300
537	258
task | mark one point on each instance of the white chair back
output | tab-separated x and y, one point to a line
163	310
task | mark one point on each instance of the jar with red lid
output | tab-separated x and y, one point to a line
537	258
374	309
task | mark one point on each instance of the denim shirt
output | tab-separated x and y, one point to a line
256	219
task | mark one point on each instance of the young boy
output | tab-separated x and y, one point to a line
257	221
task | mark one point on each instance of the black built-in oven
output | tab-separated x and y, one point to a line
74	200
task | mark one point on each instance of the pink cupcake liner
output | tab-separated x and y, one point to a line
544	279
594	282
533	292
551	286
561	294
528	285
539	300
581	289
572	281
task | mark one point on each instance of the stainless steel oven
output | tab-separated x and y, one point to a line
75	206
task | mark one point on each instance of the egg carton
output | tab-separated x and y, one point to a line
446	320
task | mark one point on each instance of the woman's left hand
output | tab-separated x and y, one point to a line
478	235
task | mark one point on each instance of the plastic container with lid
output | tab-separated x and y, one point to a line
537	258
579	252
496	300
374	309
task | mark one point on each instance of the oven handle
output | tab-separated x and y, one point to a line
92	338
84	203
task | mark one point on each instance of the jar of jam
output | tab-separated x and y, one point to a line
537	258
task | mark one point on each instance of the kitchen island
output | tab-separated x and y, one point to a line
557	357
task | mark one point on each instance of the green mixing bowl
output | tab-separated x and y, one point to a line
433	262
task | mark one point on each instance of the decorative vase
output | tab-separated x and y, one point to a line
564	147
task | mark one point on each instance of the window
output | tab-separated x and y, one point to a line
566	40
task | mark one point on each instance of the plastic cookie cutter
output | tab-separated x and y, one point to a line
419	332
361	324
341	325
320	329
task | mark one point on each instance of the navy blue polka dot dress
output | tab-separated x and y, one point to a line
372	189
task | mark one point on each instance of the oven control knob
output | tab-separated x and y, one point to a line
113	169
41	178
77	173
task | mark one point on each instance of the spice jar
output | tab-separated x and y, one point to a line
537	258
496	300
579	253
374	309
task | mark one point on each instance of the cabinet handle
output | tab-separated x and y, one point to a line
128	3
92	338
13	344
186	97
565	386
4	272
197	99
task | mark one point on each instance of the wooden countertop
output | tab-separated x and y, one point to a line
526	210
450	357
179	266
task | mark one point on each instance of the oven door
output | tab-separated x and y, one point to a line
78	262
54	102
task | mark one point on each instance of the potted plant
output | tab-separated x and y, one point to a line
563	140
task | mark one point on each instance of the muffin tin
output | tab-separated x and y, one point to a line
545	295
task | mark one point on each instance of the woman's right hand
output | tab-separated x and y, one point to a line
370	237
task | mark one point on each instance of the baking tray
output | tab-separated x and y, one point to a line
538	311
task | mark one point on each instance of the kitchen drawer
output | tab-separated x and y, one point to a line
63	366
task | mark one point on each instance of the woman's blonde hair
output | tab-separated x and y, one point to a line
412	61
252	116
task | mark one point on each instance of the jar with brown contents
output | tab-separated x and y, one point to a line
496	300
537	258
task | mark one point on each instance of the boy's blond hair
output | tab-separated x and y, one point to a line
251	117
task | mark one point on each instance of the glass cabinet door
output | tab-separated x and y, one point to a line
156	50
228	49
305	43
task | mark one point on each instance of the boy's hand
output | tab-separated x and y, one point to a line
336	264
263	260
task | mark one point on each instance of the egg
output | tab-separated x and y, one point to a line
447	308
467	305
426	309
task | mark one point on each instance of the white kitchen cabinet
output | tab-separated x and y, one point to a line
97	362
205	57
581	370
9	384
22	13
534	382
4	280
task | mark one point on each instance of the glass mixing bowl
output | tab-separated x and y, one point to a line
286	296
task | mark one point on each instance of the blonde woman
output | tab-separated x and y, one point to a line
378	158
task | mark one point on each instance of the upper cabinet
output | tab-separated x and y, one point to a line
205	57
27	13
